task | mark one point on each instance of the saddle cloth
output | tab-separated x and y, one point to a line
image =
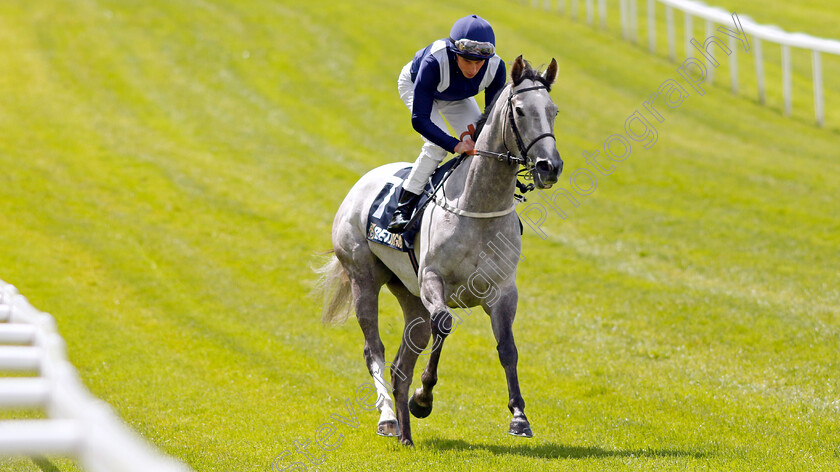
382	209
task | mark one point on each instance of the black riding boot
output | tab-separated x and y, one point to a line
402	214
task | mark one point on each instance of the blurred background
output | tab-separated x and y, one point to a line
169	171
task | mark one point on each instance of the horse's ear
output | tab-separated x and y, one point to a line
517	69
551	73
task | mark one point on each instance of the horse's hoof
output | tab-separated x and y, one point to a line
388	428
407	442
520	428
418	410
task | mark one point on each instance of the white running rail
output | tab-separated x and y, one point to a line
78	425
628	12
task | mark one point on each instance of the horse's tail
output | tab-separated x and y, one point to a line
334	285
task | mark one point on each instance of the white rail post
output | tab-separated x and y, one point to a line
786	79
733	65
669	20
622	11
628	12
651	15
710	69
77	424
602	13
759	72
818	88
688	33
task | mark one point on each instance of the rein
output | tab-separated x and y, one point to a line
522	159
510	158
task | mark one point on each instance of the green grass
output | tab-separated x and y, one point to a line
170	168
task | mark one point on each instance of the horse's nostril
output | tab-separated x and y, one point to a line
544	166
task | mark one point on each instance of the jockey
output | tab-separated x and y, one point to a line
441	82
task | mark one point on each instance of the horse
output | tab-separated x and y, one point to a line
467	247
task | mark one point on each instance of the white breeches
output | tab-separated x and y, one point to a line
459	114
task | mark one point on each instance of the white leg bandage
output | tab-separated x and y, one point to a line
383	389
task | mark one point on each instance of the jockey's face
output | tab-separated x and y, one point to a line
469	67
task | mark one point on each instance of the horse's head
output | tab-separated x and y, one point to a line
531	114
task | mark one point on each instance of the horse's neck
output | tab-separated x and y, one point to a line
488	184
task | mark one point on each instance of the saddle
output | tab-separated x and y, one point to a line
386	201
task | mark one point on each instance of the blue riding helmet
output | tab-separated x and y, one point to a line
472	37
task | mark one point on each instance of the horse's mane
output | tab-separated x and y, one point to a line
527	73
479	125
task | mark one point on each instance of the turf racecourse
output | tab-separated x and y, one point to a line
168	170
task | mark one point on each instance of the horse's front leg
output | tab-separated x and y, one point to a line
502	314
432	295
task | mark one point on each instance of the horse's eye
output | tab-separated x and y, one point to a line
519	111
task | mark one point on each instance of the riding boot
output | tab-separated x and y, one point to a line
402	215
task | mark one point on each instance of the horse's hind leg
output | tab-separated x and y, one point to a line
415	338
367	275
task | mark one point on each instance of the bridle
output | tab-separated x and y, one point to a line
522	159
519	143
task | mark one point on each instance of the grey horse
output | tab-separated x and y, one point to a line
468	246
